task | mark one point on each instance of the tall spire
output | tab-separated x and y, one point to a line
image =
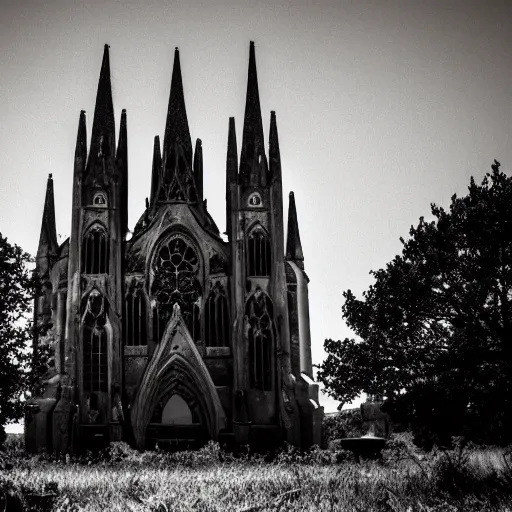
273	151
253	162
176	126
231	171
81	143
48	246
177	178
122	166
103	127
293	245
155	173
198	170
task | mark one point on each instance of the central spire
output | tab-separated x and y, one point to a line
253	162
176	126
103	139
177	182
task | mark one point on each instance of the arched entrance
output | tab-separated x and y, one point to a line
176	412
176	369
175	425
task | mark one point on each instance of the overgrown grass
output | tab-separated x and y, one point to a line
406	479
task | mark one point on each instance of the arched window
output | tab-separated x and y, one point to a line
259	314
135	315
216	318
95	346
175	280
258	253
95	251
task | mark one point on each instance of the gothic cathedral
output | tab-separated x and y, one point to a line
174	335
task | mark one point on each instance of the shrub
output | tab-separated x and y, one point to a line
344	424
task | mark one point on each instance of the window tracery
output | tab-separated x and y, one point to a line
95	345
216	318
95	251
259	314
258	253
176	269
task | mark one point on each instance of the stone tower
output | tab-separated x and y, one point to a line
174	335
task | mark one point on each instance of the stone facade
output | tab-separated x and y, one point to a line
174	334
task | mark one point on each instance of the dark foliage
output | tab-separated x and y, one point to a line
435	326
16	287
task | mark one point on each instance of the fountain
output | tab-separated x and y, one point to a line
370	445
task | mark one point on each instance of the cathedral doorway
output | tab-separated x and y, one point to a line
176	425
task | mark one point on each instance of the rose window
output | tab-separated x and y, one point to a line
175	280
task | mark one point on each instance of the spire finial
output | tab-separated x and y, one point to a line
293	245
253	162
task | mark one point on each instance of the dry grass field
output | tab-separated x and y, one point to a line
212	480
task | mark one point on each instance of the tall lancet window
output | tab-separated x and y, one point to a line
216	318
258	253
135	315
95	251
175	280
259	314
95	345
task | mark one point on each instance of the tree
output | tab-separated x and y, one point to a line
435	327
16	289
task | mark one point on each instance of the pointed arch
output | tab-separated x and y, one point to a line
261	338
135	317
176	368
216	318
258	252
95	250
96	334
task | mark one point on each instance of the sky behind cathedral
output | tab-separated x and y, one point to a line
382	108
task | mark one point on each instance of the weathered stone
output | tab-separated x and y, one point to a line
174	336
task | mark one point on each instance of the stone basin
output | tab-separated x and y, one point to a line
368	447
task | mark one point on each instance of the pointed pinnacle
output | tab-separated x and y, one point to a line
232	156
198	169
122	146
253	166
273	147
293	245
103	126
155	173
176	127
81	141
48	245
122	164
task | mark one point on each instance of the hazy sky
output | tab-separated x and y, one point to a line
382	107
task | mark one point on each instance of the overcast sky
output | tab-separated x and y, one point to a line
382	107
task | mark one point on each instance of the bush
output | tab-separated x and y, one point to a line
344	424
